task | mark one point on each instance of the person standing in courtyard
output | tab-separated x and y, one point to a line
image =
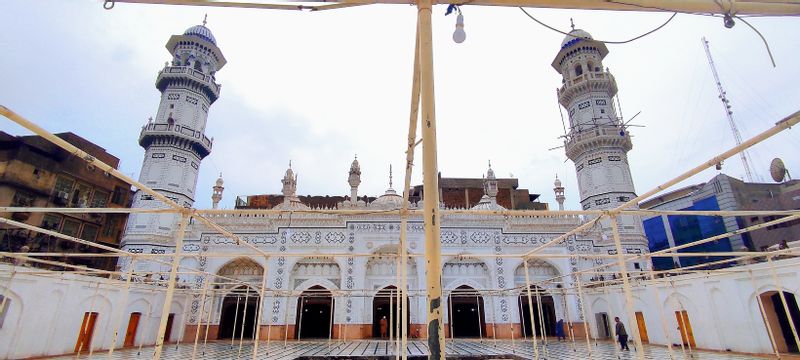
383	325
560	330
622	335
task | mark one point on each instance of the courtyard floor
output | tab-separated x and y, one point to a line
382	349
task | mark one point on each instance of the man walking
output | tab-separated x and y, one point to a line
622	335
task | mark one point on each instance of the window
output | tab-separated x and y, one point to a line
109	230
62	190
70	228
4	309
119	196
51	222
89	232
22	199
100	199
578	70
80	196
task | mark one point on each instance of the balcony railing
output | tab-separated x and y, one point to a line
172	129
186	70
587	76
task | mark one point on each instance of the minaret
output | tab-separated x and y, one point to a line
597	142
217	195
354	180
490	184
559	190
289	189
175	142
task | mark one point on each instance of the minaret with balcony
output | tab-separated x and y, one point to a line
597	140
175	142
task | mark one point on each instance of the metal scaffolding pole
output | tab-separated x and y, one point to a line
162	326
260	309
430	184
626	286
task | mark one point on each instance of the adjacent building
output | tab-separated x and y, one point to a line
720	193
36	173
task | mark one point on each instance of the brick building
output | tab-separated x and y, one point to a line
37	173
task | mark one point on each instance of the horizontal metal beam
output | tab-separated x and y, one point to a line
740	7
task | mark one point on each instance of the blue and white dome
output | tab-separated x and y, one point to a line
575	36
202	32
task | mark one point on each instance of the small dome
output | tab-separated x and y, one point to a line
390	200
220	182
574	37
557	183
291	205
202	32
487	203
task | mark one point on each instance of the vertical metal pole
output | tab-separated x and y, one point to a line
183	320
764	315
286	319
391	315
330	323
208	320
626	286
235	317
494	320
162	326
541	315
450	308
480	328
260	310
530	310
146	324
244	317
433	246
521	317
513	345
200	316
585	317
783	299
88	320
300	321
667	335
124	304
412	133
680	308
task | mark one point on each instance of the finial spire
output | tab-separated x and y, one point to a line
490	164
290	164
205	19
571	23
390	175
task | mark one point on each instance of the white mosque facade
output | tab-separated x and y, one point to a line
477	247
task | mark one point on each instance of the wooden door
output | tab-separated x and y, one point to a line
168	331
642	327
685	328
85	332
130	334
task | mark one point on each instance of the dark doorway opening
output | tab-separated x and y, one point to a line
783	318
466	313
314	309
546	317
385	304
239	312
603	325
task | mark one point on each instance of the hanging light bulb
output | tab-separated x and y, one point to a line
459	35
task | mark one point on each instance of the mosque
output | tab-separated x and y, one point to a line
349	293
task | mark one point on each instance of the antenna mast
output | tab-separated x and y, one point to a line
728	113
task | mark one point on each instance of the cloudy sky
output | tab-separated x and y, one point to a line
318	88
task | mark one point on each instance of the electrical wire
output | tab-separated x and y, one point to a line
769	52
602	41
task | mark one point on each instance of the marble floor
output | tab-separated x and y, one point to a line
382	349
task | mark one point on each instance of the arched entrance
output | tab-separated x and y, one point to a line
466	313
239	311
547	316
314	311
778	320
385	305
